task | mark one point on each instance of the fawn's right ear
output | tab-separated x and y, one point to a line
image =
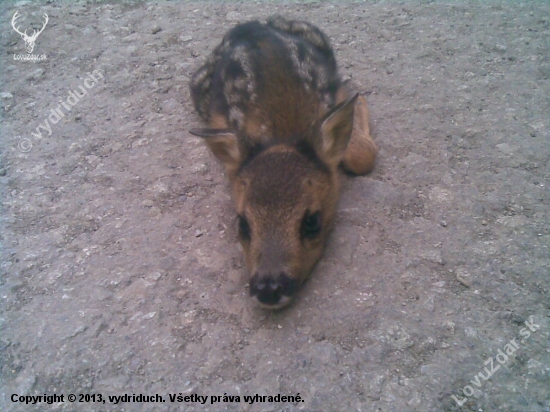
335	133
224	144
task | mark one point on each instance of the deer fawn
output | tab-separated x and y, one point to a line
281	121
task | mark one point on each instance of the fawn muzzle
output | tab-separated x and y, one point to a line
272	290
271	283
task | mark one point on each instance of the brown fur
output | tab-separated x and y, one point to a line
281	122
361	151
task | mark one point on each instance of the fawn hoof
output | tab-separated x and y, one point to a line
272	291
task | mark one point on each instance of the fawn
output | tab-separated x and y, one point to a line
281	121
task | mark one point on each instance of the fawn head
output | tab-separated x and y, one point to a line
285	196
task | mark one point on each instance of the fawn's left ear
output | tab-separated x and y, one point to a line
224	144
335	133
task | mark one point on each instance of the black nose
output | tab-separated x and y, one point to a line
269	289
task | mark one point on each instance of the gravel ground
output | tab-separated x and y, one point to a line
121	271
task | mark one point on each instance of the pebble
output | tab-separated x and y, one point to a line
153	277
443	223
156	29
233	16
147	203
35	74
484	222
463	281
200	168
506	148
149	315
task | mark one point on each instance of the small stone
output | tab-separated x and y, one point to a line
153	277
92	159
506	148
153	212
463	281
443	223
35	74
186	38
2	172
432	256
484	222
320	337
6	95
198	233
80	329
140	142
147	203
156	29
200	168
233	16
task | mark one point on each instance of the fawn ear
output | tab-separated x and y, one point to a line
335	133
224	144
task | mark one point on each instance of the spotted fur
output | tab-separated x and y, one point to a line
231	83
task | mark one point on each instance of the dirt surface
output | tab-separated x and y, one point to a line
121	272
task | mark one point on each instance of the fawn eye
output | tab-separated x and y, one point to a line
311	225
244	228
